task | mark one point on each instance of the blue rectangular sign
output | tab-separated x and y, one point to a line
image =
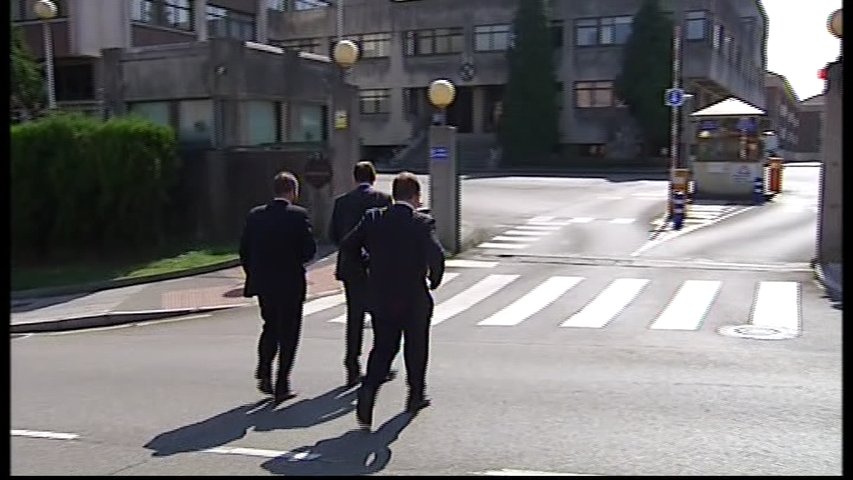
438	153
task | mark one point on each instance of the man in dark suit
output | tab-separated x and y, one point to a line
403	251
349	208
276	243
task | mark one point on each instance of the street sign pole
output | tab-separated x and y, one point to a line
675	106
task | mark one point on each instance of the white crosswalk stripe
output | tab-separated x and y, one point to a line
677	305
607	304
526	233
507	238
505	246
538	298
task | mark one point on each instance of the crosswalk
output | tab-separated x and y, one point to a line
522	236
513	299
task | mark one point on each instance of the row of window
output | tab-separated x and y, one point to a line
178	14
597	94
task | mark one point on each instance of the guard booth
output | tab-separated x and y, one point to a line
728	149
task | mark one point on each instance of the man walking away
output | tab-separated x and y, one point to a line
403	251
349	208
276	243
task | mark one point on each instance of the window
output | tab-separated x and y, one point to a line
491	38
414	101
603	31
717	39
261	122
280	5
586	32
164	13
155	112
433	42
615	30
310	45
557	33
310	4
594	94
224	22
75	82
697	24
375	45
375	101
195	121
309	123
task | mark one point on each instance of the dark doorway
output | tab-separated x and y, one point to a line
460	113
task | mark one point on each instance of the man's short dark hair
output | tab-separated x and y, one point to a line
405	186
364	172
284	183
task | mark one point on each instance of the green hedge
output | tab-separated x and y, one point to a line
82	185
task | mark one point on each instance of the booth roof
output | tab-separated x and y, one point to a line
730	107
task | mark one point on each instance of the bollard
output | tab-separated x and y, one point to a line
677	210
775	175
758	191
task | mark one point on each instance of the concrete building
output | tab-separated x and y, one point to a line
783	113
408	44
811	126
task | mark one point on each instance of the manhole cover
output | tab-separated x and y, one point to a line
756	332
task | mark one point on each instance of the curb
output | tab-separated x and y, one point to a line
124	282
111	319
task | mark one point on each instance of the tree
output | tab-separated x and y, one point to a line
529	122
26	89
647	73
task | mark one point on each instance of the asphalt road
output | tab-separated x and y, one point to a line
597	347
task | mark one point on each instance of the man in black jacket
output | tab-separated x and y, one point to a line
403	251
276	243
349	208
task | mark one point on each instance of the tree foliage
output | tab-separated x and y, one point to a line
647	73
529	122
26	90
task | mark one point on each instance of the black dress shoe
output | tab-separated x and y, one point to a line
364	408
353	377
282	396
265	386
417	402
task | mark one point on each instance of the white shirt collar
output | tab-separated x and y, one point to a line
365	184
282	199
405	203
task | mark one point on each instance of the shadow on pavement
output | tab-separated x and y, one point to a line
262	415
357	452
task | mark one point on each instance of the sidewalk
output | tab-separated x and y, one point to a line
205	292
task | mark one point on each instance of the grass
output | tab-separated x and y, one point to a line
29	276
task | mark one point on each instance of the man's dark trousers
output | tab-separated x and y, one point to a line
356	293
411	321
282	315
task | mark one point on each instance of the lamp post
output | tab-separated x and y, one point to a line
444	179
46	10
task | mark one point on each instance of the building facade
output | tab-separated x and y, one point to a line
406	45
811	126
783	113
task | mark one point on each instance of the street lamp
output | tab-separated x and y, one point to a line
46	10
345	53
441	94
834	24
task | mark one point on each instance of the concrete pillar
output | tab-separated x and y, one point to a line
200	19
830	219
261	22
444	188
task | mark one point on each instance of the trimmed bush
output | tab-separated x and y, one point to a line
80	185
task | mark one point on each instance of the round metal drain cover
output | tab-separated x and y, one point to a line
756	332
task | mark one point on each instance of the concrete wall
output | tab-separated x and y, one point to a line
830	220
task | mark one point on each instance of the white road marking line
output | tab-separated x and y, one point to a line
470	297
777	305
610	197
623	221
508	246
323	303
505	238
582	219
689	306
543	228
608	304
50	435
524	233
508	472
540	219
537	299
342	318
257	452
459	263
675	234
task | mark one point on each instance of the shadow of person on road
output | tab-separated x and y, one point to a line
262	415
357	452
